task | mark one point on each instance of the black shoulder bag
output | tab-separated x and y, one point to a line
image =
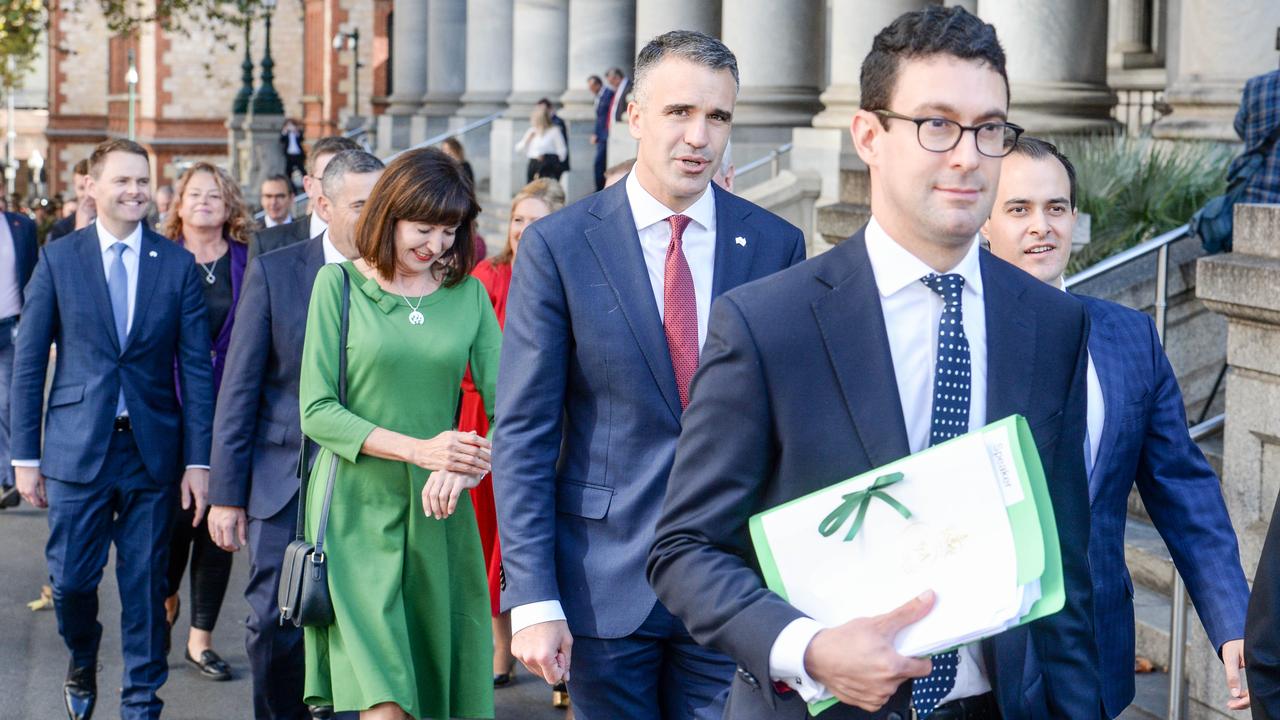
303	595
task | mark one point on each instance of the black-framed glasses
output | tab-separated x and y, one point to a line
938	134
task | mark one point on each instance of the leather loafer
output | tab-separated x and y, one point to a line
80	692
211	665
9	497
320	712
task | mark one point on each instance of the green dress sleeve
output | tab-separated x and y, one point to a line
485	349
324	419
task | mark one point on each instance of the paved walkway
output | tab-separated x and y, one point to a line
33	660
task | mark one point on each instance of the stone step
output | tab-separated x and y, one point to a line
1151	614
840	220
1147	557
1151	701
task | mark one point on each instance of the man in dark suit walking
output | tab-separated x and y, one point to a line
600	136
1262	628
827	370
253	487
85	211
18	250
310	225
1137	435
125	307
605	322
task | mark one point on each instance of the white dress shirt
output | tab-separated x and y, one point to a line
549	142
699	245
331	254
317	226
10	293
911	314
1096	411
269	223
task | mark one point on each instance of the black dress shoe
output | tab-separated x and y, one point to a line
211	665
319	712
80	692
9	497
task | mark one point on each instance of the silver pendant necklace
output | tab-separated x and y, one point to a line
209	277
415	316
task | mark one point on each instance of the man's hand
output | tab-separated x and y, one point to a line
593	140
195	489
86	212
857	662
31	486
1233	661
545	649
228	527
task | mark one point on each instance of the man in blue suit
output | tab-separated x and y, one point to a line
861	356
125	307
18	250
605	321
600	136
1137	434
253	485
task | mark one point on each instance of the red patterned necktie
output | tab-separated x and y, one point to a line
680	310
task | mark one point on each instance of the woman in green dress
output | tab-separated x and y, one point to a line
412	635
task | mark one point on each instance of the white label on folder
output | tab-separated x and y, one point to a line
1002	463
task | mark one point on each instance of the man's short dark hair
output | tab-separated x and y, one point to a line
331	145
1038	149
695	47
347	161
81	167
100	153
614	72
278	177
920	34
594	79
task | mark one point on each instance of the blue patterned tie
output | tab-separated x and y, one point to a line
950	419
118	288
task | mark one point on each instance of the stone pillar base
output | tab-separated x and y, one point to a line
260	153
791	106
481	104
393	133
235	136
1200	111
506	168
1063	108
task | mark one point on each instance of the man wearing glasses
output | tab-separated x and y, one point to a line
839	365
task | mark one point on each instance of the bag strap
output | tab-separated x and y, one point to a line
333	465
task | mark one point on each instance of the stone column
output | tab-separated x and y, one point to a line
1056	55
408	73
854	24
780	59
1243	285
601	33
488	57
446	42
654	17
1205	80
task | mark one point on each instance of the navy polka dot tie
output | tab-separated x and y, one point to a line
950	419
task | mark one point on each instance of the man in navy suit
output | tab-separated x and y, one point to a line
1137	435
606	317
1262	628
18	250
253	485
124	306
600	136
833	368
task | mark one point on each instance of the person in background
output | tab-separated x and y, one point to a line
85	210
618	171
603	95
160	204
211	221
1137	435
724	174
535	200
1256	121
309	225
411	635
295	154
559	122
454	149
18	252
276	197
544	145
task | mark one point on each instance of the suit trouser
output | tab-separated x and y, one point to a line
658	671
602	152
6	380
125	505
275	651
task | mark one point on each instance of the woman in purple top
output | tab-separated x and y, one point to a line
209	219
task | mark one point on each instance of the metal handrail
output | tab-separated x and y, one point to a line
773	160
433	140
1178	612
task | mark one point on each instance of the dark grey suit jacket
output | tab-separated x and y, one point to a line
256	426
264	241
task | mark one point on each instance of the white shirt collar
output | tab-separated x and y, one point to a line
331	254
318	225
272	223
896	268
646	210
106	239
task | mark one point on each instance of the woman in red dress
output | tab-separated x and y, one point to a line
537	199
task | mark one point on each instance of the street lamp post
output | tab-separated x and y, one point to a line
351	41
131	77
11	138
36	163
241	103
265	100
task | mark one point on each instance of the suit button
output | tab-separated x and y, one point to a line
748	678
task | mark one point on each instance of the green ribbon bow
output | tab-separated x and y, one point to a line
862	499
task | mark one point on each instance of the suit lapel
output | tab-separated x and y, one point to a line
852	325
617	246
1010	342
96	279
148	269
1110	376
733	258
302	228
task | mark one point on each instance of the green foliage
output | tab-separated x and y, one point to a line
21	25
1137	188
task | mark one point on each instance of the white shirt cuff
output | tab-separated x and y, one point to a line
197	467
522	616
786	659
26	463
